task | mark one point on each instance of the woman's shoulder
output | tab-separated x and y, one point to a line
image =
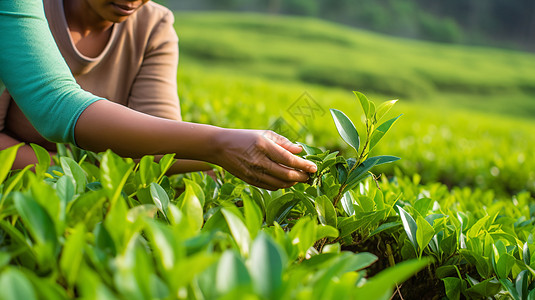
154	13
151	25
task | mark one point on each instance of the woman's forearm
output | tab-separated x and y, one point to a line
264	159
105	124
25	154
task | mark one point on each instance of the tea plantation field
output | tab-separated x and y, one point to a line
452	219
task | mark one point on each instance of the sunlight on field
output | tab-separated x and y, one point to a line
467	112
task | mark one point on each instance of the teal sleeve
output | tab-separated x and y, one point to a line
35	73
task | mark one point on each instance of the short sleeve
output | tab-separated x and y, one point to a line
35	73
154	90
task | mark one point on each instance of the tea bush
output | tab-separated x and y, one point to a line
100	226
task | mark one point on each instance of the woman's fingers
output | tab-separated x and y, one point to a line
282	156
284	173
283	142
260	178
264	159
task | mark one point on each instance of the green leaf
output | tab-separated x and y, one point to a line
525	254
43	159
192	208
410	226
508	285
323	231
335	268
383	109
303	235
347	204
423	205
326	212
14	285
167	250
40	225
160	198
196	188
364	102
253	215
424	233
522	282
279	208
361	172
148	170
4	259
381	285
266	265
372	110
452	286
309	150
346	129
238	229
114	172
75	173
7	157
72	254
231	274
378	133
477	227
505	265
166	162
384	227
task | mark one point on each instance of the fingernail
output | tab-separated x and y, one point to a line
312	168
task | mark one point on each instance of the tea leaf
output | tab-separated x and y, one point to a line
14	285
381	285
378	133
76	174
453	287
364	103
253	215
383	109
347	204
192	209
43	158
522	282
346	129
72	254
7	157
424	233
266	265
238	229
231	273
160	198
410	226
326	211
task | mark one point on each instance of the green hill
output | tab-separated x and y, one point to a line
460	105
309	51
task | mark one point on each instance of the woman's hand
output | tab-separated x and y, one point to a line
262	158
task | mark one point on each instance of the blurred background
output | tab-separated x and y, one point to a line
463	70
504	23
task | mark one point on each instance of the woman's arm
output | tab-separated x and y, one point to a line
154	90
35	73
261	158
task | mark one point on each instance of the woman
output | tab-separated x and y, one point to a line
40	83
129	58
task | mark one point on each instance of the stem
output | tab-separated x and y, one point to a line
339	195
361	157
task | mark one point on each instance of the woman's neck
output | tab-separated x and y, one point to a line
89	32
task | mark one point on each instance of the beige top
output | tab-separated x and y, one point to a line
137	68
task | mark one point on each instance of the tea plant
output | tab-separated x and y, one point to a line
100	226
126	230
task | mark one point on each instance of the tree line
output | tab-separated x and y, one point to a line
504	23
